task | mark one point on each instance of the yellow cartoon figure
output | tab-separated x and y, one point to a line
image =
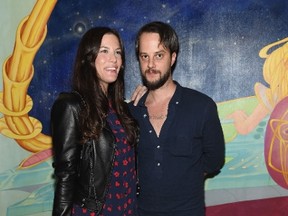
275	72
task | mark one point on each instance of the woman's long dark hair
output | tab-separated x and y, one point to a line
86	82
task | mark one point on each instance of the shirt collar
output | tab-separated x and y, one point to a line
174	100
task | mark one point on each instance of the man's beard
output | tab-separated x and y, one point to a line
157	83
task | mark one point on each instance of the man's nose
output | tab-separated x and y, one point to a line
151	63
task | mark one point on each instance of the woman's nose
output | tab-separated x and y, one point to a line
113	57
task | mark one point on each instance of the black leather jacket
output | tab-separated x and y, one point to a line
82	175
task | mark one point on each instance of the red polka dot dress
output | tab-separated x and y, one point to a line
121	197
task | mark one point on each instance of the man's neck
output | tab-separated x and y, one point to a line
163	93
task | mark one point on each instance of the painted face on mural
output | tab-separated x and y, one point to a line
108	61
155	61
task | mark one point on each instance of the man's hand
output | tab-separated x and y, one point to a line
138	93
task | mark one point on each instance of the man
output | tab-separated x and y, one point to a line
181	139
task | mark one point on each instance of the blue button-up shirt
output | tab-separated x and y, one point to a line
171	167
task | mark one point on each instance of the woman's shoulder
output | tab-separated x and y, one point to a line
67	100
68	97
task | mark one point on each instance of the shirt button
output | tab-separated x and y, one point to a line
158	147
145	115
158	164
177	102
150	131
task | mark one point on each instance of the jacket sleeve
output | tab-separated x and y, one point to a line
65	138
214	146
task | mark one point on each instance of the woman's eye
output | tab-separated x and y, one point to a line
119	52
103	51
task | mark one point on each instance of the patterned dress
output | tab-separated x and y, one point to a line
121	197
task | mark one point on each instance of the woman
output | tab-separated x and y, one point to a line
94	134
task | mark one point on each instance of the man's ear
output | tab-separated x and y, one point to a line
173	58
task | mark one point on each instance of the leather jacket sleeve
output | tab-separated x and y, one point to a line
65	138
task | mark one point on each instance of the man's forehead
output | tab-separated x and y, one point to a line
147	42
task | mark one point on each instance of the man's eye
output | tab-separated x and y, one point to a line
159	56
144	57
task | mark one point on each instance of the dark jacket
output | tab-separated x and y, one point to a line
82	171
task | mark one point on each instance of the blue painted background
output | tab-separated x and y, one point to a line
220	41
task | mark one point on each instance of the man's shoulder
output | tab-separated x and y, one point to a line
193	93
135	110
130	104
132	107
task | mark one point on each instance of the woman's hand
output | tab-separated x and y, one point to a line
138	93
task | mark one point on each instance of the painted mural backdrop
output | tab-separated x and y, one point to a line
234	51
